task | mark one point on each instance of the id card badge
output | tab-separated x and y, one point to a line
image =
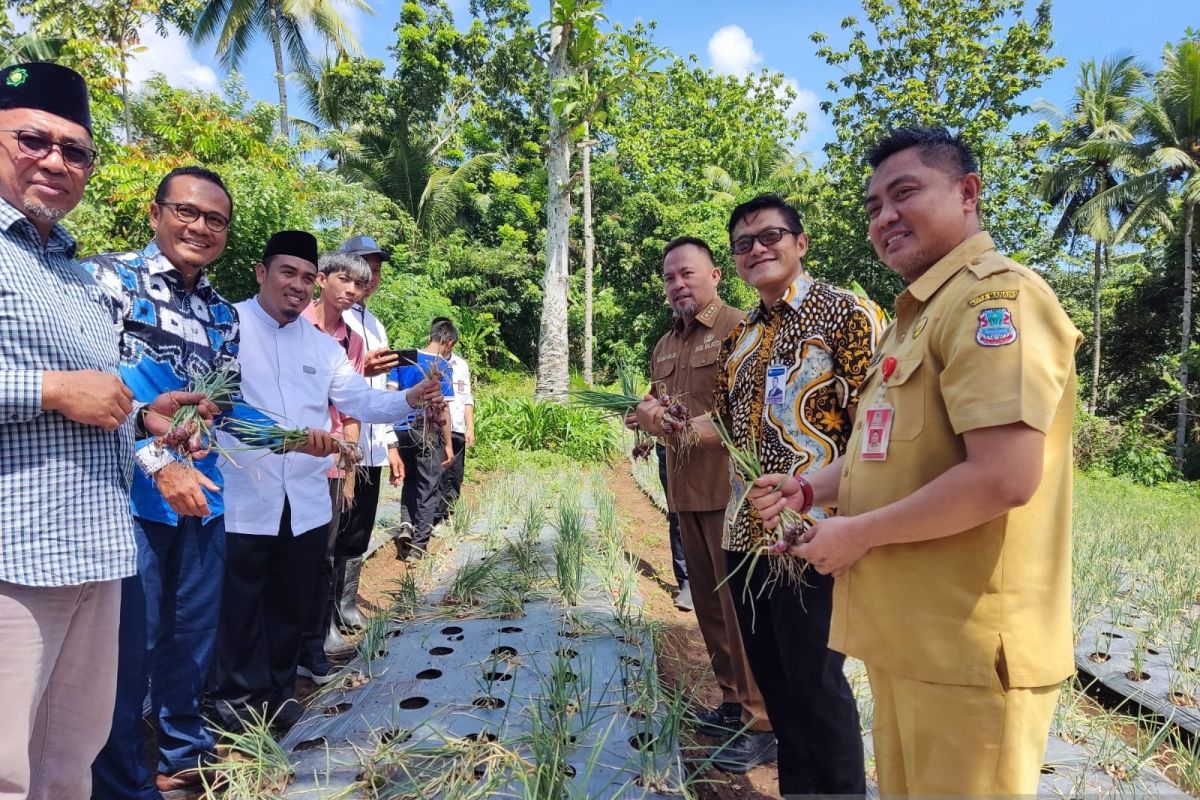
878	428
877	432
774	387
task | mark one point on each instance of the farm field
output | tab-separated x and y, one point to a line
1136	564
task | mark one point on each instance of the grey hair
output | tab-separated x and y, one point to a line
354	267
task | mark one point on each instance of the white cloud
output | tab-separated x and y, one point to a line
731	51
172	56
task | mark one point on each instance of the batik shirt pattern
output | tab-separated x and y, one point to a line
168	336
819	339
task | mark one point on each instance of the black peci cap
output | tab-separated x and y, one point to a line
300	244
46	87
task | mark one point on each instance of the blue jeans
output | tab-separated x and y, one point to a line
169	614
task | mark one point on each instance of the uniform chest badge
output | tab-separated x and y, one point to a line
996	328
920	326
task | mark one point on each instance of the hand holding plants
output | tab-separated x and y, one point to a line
318	443
832	545
771	493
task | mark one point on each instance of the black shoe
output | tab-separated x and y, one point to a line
286	716
746	751
319	672
722	721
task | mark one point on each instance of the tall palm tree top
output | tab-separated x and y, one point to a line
235	23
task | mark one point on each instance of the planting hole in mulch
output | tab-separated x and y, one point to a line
569	677
630	661
486	701
1151	651
451	630
1048	770
1183	699
309	744
492	677
641	741
333	711
1111	635
629	640
504	651
397	735
635	713
566	653
429	674
568	770
441	651
1100	658
568	634
410	703
1137	677
394	632
482	736
511	629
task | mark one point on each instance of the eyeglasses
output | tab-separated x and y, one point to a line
189	214
39	145
768	237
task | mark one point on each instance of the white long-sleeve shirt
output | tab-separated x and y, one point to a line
292	373
462	394
374	437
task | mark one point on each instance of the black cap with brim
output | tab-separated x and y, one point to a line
300	244
47	87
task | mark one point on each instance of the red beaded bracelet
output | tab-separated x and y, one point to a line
807	489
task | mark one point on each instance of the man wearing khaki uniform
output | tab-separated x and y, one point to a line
684	365
952	548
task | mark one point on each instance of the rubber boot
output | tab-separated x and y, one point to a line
337	646
351	619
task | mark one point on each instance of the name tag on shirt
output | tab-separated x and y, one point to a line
310	370
774	387
877	432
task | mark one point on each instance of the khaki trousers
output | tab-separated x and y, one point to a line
701	534
58	673
935	739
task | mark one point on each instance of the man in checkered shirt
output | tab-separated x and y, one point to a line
66	450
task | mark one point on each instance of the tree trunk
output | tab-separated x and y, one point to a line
553	351
280	70
1101	256
1185	345
589	247
125	102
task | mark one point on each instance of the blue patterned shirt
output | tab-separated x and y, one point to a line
64	486
168	336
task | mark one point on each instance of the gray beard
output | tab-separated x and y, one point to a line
687	311
41	213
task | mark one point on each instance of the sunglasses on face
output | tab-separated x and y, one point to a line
39	145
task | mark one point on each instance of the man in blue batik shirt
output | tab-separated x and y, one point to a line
174	327
422	450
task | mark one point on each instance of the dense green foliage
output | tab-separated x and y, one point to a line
442	159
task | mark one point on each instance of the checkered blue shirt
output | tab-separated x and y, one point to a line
64	487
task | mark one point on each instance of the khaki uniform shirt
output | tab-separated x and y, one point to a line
979	341
685	365
809	353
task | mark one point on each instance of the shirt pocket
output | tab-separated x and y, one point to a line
906	393
661	370
704	357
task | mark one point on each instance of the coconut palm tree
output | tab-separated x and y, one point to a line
1088	158
404	167
235	23
1168	189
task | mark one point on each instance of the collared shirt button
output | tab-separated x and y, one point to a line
975	262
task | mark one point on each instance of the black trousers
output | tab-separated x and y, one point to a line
678	562
785	632
422	474
357	523
450	484
265	600
320	612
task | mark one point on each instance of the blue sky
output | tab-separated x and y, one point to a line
746	35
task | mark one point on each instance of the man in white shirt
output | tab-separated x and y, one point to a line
462	427
358	522
277	504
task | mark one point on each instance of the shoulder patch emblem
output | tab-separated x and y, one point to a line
1002	294
996	328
